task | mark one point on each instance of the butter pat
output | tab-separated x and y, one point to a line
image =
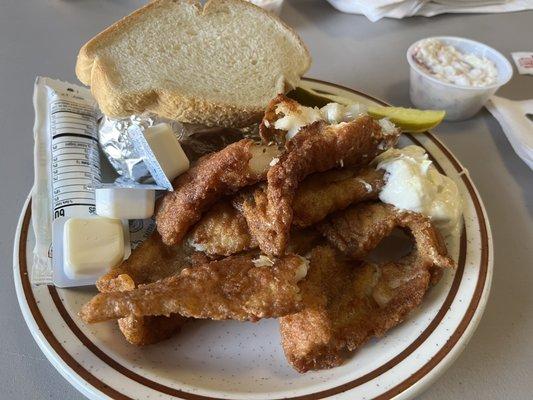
91	246
167	150
125	202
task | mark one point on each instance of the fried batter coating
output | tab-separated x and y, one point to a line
143	331
222	231
312	202
303	240
238	165
324	193
232	288
267	129
316	148
346	304
149	262
360	228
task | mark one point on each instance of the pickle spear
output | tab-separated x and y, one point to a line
409	119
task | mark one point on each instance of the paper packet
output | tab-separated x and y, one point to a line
524	62
67	171
67	163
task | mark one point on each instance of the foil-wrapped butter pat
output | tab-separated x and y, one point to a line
116	142
120	150
167	150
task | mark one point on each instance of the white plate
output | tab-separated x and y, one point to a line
232	360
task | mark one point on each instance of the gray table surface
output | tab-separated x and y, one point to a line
42	37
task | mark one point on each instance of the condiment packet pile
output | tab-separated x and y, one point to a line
70	198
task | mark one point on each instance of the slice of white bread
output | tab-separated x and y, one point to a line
215	65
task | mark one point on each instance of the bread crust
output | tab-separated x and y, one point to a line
100	75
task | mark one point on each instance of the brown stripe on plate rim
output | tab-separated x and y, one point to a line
66	357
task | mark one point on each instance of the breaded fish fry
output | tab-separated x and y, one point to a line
232	288
143	331
240	164
222	231
151	261
345	305
359	229
316	148
324	193
267	129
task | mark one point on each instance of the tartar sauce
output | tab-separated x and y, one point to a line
297	117
447	64
413	183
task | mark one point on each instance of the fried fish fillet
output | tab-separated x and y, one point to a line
303	240
359	229
324	193
222	231
238	165
232	288
267	129
143	331
149	262
347	304
316	148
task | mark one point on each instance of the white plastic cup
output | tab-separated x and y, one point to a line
459	102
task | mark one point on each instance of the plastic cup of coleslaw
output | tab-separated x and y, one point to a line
459	101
